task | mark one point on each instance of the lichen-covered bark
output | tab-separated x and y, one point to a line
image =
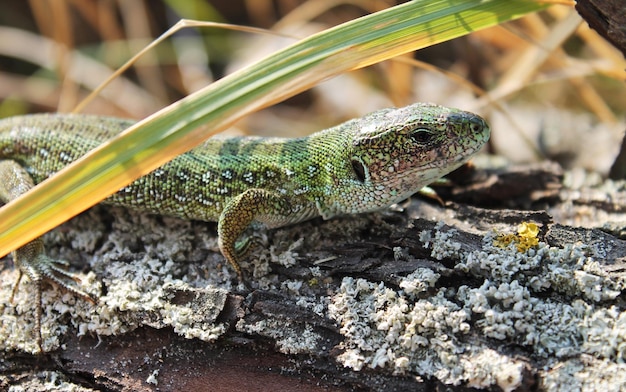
415	298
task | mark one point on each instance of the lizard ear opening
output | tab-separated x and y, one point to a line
359	169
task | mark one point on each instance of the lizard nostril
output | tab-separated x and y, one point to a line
477	124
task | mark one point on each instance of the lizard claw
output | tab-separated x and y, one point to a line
33	262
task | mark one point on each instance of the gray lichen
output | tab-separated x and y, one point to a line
138	293
555	305
584	373
435	335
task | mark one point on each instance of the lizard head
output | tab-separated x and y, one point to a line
396	152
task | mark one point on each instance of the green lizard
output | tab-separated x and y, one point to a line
361	165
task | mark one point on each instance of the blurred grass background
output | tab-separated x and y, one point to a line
550	87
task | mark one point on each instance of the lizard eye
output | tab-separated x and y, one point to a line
422	136
359	169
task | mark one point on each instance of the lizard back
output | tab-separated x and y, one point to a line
194	185
361	165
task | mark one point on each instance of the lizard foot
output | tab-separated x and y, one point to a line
33	262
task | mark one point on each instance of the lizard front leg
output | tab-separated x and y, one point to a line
31	259
255	204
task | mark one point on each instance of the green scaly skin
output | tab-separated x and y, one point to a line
362	165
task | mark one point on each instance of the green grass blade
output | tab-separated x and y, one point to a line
184	124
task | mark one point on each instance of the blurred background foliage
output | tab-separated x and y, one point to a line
550	87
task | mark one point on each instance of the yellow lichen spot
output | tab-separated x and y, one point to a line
528	230
313	282
503	240
525	239
527	233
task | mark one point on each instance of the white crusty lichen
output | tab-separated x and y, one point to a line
152	378
452	335
288	257
140	293
317	305
488	367
509	305
584	373
508	312
44	380
289	338
385	327
17	329
567	270
419	281
440	242
604	332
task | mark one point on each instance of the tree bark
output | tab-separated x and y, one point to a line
195	330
